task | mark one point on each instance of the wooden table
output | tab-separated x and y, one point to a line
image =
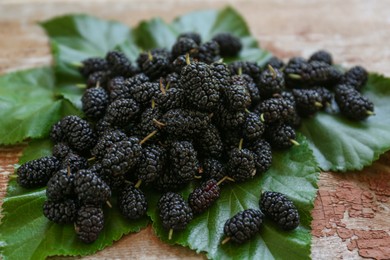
351	218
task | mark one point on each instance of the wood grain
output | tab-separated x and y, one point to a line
351	218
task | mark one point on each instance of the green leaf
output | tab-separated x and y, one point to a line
29	105
294	173
32	236
340	144
74	38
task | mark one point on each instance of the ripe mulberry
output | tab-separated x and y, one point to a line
132	202
280	209
174	211
243	226
60	212
122	111
229	45
122	156
89	223
204	196
90	189
36	173
352	104
94	102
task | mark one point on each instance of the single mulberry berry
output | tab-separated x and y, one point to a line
198	82
229	45
147	124
213	169
174	212
241	164
108	139
307	101
89	223
301	72
56	133
61	150
230	119
60	185
152	163
207	52
156	66
102	126
184	122
98	79
221	74
119	64
352	104
322	56
275	63
78	133
90	189
182	46
262	155
94	102
204	196
243	226
281	136
60	212
92	65
171	98
132	202
183	161
253	127
192	35
271	82
237	97
144	56
122	111
356	76
180	62
326	96
75	162
247	81
36	173
280	209
209	143
245	67
122	156
275	110
145	92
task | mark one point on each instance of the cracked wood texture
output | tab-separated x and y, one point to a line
351	217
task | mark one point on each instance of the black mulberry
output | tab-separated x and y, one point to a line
89	223
36	173
280	209
95	102
132	202
243	226
204	196
60	212
229	45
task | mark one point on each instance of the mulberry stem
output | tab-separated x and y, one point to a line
272	71
170	234
294	142
294	76
225	240
139	182
158	123
108	204
148	137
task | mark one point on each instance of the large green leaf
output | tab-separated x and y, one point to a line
74	38
293	173
29	105
340	144
27	234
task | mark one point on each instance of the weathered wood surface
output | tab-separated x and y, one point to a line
351	218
